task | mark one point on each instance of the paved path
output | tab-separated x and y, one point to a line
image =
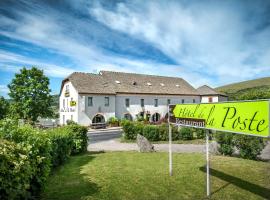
109	140
116	145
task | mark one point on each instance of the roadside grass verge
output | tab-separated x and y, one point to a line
139	176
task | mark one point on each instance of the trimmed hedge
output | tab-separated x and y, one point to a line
151	132
61	142
32	153
15	171
186	133
79	138
158	132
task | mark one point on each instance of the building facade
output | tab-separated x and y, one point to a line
93	98
209	95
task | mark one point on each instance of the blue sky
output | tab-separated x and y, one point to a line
204	42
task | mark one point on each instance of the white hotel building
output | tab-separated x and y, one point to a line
88	98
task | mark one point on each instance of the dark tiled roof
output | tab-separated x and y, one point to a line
206	90
108	82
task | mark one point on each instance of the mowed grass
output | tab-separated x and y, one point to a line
144	176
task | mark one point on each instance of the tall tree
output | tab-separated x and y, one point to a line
30	94
4	107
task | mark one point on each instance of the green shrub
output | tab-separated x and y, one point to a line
200	133
113	121
61	141
226	142
39	147
138	129
151	132
249	146
15	171
164	132
70	122
79	138
186	133
129	130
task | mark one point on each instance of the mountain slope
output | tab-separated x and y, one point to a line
256	83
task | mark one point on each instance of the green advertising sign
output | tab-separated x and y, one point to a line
247	117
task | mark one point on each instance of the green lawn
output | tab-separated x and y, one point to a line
132	175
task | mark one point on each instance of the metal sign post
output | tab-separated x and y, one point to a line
170	143
170	149
207	165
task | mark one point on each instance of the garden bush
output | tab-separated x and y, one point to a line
200	133
79	138
113	121
39	146
164	132
249	146
151	132
31	153
226	142
15	171
131	129
186	133
61	142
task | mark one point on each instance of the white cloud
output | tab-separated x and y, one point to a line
208	42
14	62
215	39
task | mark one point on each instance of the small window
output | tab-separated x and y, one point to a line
194	101
183	100
156	102
142	102
168	101
210	99
71	117
63	102
67	87
90	101
127	102
64	121
107	101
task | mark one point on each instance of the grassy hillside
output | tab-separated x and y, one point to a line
256	83
248	90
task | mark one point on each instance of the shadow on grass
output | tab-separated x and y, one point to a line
67	181
251	187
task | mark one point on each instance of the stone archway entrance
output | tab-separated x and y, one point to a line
98	118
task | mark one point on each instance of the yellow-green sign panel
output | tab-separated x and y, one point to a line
250	117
